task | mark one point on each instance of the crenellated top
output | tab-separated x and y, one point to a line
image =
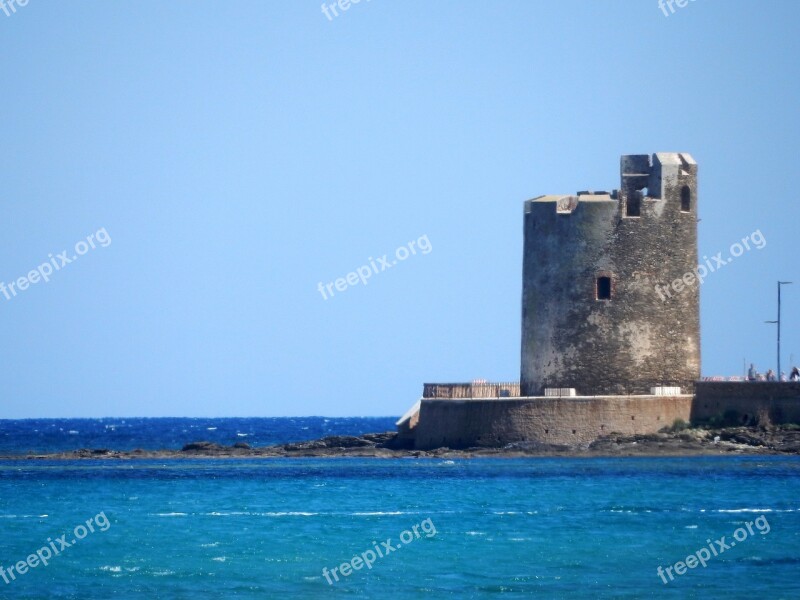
642	176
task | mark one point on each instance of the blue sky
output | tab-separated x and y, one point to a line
239	153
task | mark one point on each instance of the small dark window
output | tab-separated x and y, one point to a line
686	199
604	288
633	205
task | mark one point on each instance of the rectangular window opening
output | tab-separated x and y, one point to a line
633	206
604	288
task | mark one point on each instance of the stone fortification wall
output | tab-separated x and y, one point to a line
747	402
570	421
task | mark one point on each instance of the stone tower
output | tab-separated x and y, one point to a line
593	317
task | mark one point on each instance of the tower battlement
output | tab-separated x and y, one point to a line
643	178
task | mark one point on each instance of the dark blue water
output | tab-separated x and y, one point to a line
480	528
58	435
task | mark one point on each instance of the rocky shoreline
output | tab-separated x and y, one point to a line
688	442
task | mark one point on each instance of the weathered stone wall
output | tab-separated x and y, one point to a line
569	421
747	402
639	338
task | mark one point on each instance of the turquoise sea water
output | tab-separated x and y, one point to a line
544	528
486	528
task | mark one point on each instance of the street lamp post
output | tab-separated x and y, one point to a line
778	376
778	323
780	283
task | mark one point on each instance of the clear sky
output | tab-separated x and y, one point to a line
237	154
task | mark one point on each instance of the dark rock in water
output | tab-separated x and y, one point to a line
332	441
202	447
242	445
94	453
388	440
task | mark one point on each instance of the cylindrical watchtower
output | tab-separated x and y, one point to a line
609	305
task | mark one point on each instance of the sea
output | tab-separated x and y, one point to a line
285	528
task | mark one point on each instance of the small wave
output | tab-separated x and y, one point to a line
170	514
289	514
111	569
758	560
256	514
242	434
73	432
228	514
163	573
211	428
211	545
752	510
219	558
475	533
691	527
378	513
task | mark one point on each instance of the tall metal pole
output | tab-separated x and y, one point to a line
780	283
